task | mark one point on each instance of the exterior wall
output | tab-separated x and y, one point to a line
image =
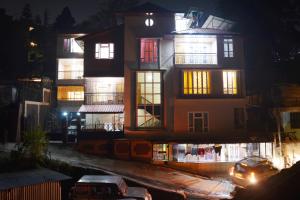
96	147
204	169
122	149
45	191
67	106
104	67
220	114
141	150
133	30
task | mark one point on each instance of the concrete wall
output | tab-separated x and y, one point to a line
220	114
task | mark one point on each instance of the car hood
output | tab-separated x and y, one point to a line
136	192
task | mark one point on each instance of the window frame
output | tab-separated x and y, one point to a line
155	47
234	81
110	48
228	43
205	129
204	91
153	104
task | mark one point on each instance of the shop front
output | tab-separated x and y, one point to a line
205	153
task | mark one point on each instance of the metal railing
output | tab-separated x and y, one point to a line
104	98
196	58
62	75
105	127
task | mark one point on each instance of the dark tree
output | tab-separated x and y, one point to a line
46	18
65	21
105	17
26	15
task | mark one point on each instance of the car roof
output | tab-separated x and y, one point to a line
107	179
253	161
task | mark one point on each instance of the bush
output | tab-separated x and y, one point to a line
35	144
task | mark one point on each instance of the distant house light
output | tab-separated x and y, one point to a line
30	28
150	13
33	44
64	113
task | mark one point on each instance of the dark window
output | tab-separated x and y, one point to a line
239	118
295	120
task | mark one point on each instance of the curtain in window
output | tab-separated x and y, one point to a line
149	51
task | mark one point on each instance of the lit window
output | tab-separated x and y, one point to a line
104	51
196	82
149	51
196	49
70	93
229	82
71	68
228	48
198	122
148	97
149	22
71	45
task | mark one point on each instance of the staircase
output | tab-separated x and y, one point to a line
147	110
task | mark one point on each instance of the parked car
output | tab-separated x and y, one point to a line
94	187
72	128
251	171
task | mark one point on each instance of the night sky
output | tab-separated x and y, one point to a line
82	9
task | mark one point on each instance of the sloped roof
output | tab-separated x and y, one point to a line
112	108
205	31
29	177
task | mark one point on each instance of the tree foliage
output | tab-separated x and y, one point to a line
64	21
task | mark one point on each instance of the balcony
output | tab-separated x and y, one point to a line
70	75
196	58
104	98
103	127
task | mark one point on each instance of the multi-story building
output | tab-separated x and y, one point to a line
69	79
186	86
174	81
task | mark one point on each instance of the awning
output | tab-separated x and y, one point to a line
115	108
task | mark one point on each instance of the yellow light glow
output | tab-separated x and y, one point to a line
252	178
196	82
33	44
70	93
230	82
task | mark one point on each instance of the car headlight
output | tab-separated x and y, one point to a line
252	178
231	171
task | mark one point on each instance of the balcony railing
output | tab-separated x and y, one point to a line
104	127
104	98
70	75
196	58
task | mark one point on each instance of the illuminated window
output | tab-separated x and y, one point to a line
149	51
149	21
181	23
198	122
70	93
71	45
228	48
229	82
70	68
196	82
148	98
195	49
104	51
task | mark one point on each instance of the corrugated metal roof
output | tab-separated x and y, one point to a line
29	177
113	108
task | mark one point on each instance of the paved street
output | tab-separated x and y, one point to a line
193	186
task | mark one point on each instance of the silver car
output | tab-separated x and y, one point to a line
94	187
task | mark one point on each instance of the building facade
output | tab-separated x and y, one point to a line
174	83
